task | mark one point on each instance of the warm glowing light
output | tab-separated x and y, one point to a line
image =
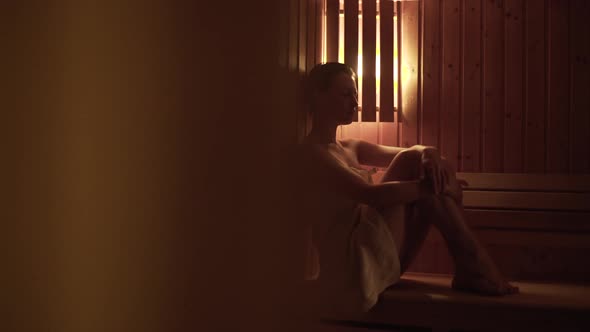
341	48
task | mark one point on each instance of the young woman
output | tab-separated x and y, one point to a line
366	234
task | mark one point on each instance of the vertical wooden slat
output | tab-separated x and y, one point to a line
420	82
471	130
534	157
311	34
409	72
451	81
303	124
351	30
293	65
482	123
332	9
432	70
558	130
580	57
369	53
302	36
387	40
494	89
513	88
398	114
351	36
319	4
293	56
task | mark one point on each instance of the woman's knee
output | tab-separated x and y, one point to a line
407	164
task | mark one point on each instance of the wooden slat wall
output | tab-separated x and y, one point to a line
498	85
387	40
513	86
332	9
410	71
369	52
579	86
472	87
451	79
351	36
505	83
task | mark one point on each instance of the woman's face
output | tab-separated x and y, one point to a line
340	102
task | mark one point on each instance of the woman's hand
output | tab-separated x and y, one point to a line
434	170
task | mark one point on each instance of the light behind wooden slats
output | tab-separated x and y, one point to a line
398	114
558	144
332	9
535	112
351	36
409	72
580	58
369	62
386	45
431	77
494	90
513	86
319	29
451	91
303	14
471	130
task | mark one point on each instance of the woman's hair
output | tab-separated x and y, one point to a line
321	76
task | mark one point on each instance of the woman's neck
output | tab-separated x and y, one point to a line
323	135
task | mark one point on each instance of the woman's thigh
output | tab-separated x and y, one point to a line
404	167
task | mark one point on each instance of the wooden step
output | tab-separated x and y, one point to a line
427	301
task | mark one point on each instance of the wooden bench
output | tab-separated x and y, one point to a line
427	301
536	227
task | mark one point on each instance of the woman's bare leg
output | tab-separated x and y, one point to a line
408	230
475	271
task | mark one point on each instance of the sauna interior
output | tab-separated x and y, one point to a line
145	178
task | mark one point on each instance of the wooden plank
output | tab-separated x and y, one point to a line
580	61
559	120
409	72
527	182
369	61
351	36
429	301
311	34
386	61
293	56
432	77
493	130
472	50
452	79
534	145
319	4
514	86
369	132
332	18
535	239
550	221
527	200
303	36
388	133
551	257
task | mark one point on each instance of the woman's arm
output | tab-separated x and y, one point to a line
325	171
375	154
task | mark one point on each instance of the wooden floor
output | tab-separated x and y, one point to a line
423	300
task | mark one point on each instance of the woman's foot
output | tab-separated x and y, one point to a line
483	285
478	274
